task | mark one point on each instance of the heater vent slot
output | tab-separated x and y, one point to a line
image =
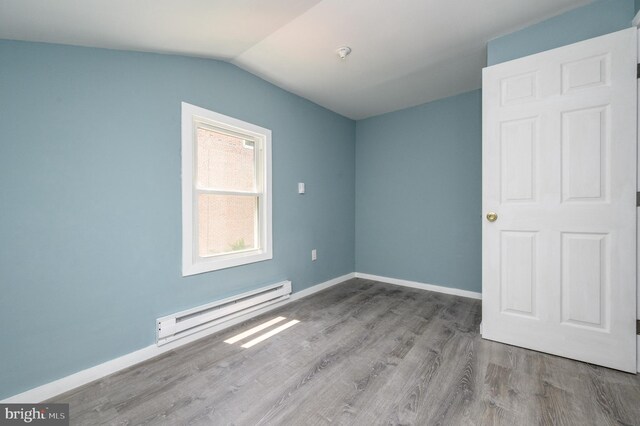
190	321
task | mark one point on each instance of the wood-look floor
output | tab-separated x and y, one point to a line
364	353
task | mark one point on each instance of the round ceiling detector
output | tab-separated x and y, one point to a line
343	51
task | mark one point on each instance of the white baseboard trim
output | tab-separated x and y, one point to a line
319	287
422	286
65	384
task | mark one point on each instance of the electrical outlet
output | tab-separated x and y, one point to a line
300	187
314	254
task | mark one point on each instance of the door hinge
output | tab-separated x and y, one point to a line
638	71
638	327
637	199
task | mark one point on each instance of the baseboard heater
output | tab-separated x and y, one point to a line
191	321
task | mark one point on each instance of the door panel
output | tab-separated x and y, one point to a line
585	262
559	169
518	272
585	143
518	143
585	73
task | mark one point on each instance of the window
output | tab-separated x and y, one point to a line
226	191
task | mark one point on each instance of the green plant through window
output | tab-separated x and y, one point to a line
238	245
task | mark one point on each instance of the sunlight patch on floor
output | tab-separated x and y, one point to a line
268	334
258	328
253	330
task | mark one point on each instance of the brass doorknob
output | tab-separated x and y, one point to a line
492	216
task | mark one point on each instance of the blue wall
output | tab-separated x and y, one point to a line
90	242
418	171
593	20
419	193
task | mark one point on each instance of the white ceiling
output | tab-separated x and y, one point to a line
405	52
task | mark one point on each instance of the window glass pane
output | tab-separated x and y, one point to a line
226	223
225	162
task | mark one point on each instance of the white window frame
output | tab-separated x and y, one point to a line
192	263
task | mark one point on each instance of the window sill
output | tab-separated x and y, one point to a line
210	264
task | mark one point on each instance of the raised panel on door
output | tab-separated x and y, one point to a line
518	139
585	143
585	280
518	272
586	73
519	89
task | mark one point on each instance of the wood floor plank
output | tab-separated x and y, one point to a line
363	353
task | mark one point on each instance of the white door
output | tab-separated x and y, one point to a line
559	171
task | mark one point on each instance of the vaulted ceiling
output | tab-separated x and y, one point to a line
405	52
